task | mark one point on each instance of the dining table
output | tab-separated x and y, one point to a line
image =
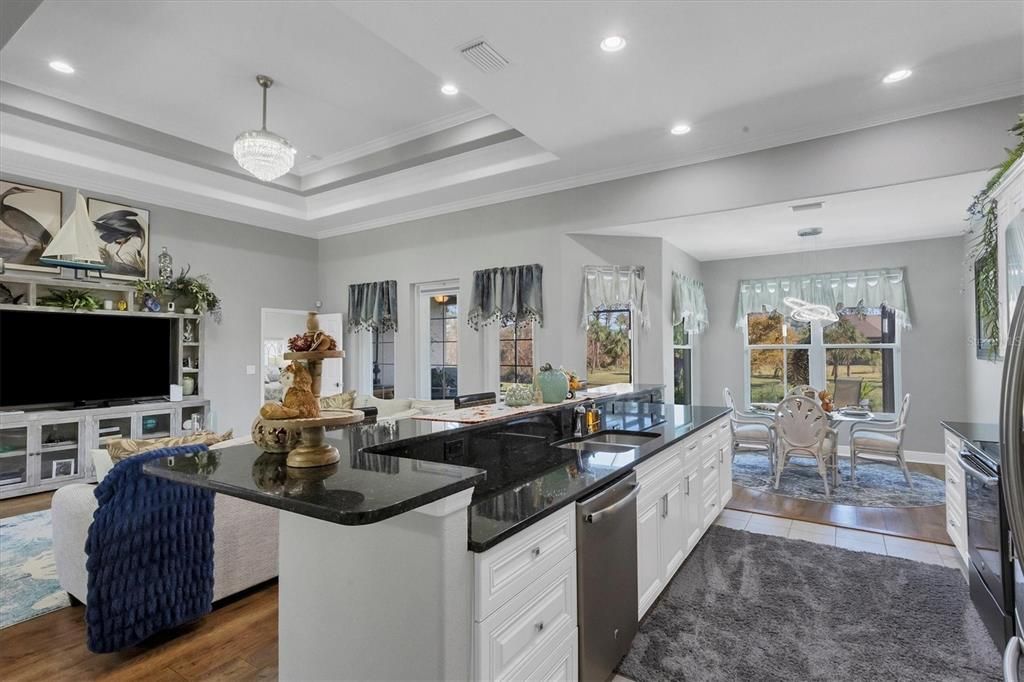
837	418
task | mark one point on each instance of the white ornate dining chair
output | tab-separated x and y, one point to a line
881	442
802	428
804	390
750	431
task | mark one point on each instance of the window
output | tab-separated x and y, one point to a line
610	347
515	359
681	365
855	359
384	364
778	356
860	358
444	346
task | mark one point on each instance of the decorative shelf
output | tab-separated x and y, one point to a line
57	447
121	313
190	370
190	343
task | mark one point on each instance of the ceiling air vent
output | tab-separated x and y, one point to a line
483	56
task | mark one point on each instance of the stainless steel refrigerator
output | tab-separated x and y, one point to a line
1011	448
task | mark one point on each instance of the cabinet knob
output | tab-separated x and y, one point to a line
540	627
536	552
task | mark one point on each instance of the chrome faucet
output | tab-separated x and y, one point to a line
585	419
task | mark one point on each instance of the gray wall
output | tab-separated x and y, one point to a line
932	352
251	268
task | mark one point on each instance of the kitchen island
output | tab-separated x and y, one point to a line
437	550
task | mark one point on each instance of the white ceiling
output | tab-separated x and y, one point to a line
915	210
189	69
361	77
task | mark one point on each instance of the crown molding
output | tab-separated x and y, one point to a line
996	92
388	141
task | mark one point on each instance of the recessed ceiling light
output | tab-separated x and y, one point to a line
62	67
449	89
613	43
897	76
680	129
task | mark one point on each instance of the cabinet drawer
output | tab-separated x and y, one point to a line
691	453
557	663
710	508
709	472
657	469
543	613
505	570
956	529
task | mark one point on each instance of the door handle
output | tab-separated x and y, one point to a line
664	505
594	517
1010	658
987	480
687	485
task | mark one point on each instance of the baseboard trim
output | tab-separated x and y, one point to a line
918	456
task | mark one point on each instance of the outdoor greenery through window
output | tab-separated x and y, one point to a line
444	346
778	358
384	364
610	347
855	359
516	355
681	365
859	358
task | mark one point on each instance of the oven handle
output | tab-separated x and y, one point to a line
1010	657
985	478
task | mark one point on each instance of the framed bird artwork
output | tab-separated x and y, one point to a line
29	219
123	234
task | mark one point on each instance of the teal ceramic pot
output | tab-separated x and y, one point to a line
553	383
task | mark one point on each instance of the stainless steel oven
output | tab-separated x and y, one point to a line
990	572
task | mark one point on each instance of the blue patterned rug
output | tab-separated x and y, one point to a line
28	575
878	485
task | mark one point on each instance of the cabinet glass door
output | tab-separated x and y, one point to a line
113	427
58	451
193	419
155	425
13	456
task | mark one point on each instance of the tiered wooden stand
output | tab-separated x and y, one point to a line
313	450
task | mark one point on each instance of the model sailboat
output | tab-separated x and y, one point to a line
75	246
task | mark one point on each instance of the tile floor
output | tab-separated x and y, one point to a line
858	540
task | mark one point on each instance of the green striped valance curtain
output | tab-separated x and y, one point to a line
866	288
688	304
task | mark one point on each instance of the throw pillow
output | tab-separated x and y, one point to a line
339	401
385	407
120	448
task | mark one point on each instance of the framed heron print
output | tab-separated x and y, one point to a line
123	235
29	219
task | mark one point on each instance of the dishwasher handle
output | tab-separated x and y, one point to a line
594	517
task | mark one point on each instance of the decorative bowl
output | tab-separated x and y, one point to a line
519	395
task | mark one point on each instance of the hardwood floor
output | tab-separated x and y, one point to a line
25	504
919	523
238	641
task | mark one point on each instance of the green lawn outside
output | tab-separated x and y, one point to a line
610	375
765	388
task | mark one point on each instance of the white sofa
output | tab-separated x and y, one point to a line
244	538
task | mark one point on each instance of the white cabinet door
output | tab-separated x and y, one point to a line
693	519
672	531
648	551
724	473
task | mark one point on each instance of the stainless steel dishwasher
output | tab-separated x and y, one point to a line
606	577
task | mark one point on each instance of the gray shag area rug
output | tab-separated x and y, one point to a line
878	485
757	607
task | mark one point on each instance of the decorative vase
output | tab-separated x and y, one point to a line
554	385
188	385
519	395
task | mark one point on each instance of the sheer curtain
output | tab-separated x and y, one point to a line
688	304
612	286
866	288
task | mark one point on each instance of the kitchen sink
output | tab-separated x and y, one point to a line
606	441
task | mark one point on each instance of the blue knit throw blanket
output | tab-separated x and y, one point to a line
150	554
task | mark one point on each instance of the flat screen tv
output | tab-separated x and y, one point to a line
68	359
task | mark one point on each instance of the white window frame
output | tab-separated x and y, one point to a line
816	354
672	361
633	337
422	292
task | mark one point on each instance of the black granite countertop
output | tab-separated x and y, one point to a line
984	437
381	473
499	512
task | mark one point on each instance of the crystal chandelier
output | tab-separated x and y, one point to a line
799	309
264	154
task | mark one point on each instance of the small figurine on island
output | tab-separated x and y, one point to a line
299	401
